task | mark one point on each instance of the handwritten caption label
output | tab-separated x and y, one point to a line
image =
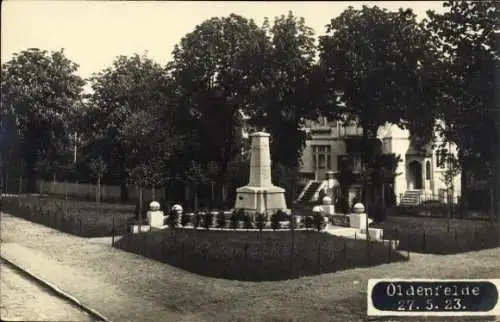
433	297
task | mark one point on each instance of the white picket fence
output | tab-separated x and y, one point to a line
90	190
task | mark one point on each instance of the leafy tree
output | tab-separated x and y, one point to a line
98	168
346	178
286	178
467	46
216	70
130	118
374	59
39	89
287	97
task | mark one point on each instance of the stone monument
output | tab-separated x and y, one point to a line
260	195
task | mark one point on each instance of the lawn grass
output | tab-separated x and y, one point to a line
431	235
81	218
255	256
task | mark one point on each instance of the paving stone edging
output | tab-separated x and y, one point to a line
58	291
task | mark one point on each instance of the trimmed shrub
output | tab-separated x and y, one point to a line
308	222
234	219
172	219
275	221
342	206
196	220
260	221
221	220
185	219
293	221
317	221
247	222
376	211
208	220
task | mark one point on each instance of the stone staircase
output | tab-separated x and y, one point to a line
411	198
310	191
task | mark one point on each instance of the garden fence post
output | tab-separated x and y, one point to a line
456	239
368	254
319	257
183	251
408	247
344	252
423	242
389	250
113	233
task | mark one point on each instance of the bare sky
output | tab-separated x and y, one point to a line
93	33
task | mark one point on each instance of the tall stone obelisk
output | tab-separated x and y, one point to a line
260	195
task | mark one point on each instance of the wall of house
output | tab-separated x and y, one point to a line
337	147
395	140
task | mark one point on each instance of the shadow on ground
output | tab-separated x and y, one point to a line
254	256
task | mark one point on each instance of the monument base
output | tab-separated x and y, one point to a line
265	200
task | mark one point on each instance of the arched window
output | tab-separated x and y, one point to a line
428	170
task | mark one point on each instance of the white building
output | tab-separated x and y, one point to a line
420	173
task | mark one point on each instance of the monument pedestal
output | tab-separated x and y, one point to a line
264	200
260	195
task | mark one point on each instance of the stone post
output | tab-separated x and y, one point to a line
155	215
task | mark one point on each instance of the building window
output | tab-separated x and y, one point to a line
351	161
322	157
427	170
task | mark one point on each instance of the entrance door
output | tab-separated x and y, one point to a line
415	176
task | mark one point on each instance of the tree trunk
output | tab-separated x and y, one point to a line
98	192
140	207
492	204
31	174
463	205
195	199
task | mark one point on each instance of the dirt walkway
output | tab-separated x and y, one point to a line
24	300
128	287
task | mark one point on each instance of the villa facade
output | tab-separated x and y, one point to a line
420	174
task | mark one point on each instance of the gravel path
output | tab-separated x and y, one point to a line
22	299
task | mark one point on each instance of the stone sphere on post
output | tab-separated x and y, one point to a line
327	200
177	208
154	206
358	208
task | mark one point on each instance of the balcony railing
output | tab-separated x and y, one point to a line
350	130
321	131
